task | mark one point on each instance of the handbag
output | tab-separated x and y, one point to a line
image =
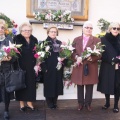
39	77
15	79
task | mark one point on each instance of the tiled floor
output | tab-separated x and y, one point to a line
67	110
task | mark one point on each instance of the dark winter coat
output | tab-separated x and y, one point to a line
5	67
53	84
27	63
108	76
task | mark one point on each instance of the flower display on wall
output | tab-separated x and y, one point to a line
55	16
10	25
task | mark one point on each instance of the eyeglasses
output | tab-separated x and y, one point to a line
114	28
2	28
53	31
89	28
26	30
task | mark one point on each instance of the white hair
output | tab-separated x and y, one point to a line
87	23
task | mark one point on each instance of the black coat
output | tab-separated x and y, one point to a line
108	76
5	67
53	84
27	63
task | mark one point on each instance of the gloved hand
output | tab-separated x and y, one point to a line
115	60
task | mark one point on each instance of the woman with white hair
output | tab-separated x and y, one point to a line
109	75
27	63
80	75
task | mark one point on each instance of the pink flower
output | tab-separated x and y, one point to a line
16	50
36	55
7	50
34	49
64	43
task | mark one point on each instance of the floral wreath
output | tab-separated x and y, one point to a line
10	25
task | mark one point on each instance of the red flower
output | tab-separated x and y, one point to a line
36	55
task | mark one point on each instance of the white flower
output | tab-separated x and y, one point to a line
89	49
42	54
71	48
47	48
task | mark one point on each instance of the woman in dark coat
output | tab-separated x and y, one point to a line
5	66
53	84
109	75
27	63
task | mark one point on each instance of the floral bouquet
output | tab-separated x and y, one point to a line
42	52
65	53
12	49
97	51
59	16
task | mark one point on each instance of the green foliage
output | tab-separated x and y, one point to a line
103	24
9	23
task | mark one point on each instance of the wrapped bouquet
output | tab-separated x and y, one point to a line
65	53
42	52
97	51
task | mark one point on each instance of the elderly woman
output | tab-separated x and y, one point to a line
109	75
53	84
80	75
5	66
27	63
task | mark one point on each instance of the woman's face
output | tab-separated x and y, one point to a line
87	30
115	30
52	33
26	31
2	29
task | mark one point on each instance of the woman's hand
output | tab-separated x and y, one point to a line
89	58
7	58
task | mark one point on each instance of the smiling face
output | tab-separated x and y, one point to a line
26	31
115	30
52	33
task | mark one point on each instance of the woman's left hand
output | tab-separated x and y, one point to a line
89	58
7	58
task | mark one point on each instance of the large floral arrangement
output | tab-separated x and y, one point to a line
10	25
58	16
103	26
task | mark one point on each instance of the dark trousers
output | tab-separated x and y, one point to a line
116	99
88	94
51	101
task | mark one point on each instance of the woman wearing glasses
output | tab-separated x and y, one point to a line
53	83
27	63
109	75
5	66
86	74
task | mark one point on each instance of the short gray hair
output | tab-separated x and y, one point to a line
24	24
